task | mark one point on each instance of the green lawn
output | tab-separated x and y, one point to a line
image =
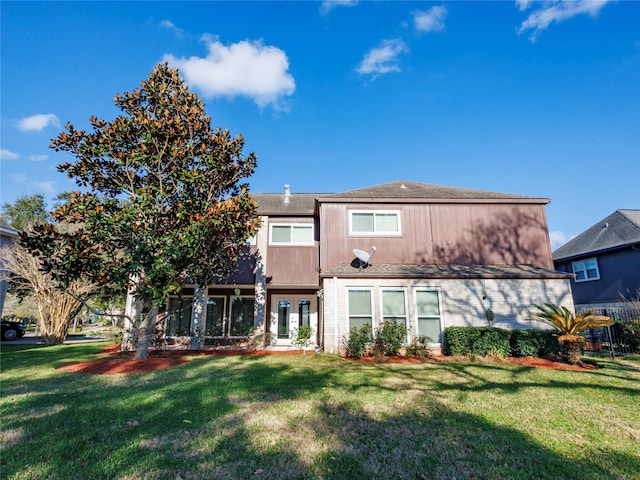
315	416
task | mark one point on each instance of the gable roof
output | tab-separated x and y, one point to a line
274	203
412	192
400	191
618	230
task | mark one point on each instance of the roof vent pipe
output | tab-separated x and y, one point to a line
287	193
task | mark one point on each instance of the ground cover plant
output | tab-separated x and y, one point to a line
315	416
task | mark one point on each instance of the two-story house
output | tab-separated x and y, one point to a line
605	260
425	255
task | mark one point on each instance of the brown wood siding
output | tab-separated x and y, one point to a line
291	265
288	265
482	234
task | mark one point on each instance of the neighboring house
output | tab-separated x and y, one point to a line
605	260
7	236
443	256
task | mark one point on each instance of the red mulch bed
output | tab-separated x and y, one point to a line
158	360
524	361
161	359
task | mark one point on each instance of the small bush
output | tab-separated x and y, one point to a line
629	334
477	341
302	336
358	341
419	347
536	343
390	336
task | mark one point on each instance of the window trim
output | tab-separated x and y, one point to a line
406	307
230	318
223	301
374	213
168	315
292	226
440	317
586	277
371	304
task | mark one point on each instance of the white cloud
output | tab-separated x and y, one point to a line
329	5
169	25
44	187
523	4
38	158
558	239
8	155
383	59
246	68
550	11
38	122
431	20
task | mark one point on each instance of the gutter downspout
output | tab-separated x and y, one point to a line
335	315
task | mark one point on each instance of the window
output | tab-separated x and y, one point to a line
296	234
304	313
394	308
378	222
586	270
284	310
429	316
360	310
178	320
215	317
241	322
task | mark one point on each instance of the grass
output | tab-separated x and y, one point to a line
315	416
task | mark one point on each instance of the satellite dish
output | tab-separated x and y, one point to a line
363	257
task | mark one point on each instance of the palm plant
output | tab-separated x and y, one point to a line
569	326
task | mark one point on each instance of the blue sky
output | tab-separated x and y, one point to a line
526	97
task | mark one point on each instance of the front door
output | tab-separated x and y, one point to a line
288	313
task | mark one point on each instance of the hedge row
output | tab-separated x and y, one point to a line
482	341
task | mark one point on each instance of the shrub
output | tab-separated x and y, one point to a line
302	336
477	341
536	343
419	347
629	334
390	336
358	341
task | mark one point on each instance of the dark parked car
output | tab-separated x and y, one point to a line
12	330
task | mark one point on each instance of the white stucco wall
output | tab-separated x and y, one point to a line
464	302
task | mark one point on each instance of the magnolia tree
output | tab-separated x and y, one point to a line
161	200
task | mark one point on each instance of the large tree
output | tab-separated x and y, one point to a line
161	200
25	211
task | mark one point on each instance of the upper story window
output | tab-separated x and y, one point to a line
291	234
379	222
586	270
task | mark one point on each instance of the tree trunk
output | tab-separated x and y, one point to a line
573	351
146	330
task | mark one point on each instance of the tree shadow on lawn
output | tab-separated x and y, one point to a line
211	419
468	377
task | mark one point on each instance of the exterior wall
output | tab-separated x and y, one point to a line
461	299
291	265
619	277
481	234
